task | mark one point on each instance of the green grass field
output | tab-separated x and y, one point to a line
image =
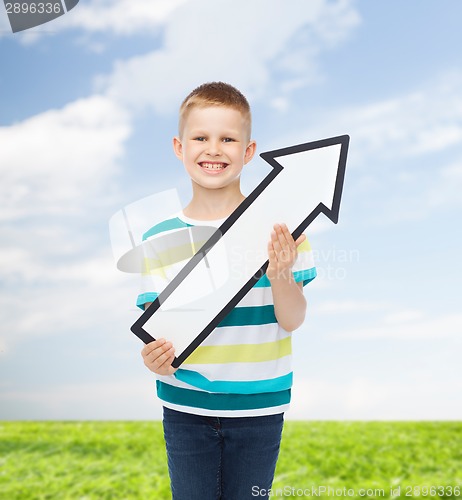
115	460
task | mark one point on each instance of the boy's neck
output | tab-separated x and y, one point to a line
213	204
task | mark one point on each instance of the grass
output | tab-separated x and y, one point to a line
126	460
376	455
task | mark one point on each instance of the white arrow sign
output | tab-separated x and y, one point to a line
306	179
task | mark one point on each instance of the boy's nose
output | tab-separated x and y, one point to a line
214	148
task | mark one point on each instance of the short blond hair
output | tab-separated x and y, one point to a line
215	94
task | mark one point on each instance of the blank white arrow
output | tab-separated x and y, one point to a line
307	179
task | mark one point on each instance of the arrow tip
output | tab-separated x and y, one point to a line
327	161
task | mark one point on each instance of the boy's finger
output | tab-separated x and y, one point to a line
148	348
300	240
281	234
288	237
154	362
167	369
277	246
154	351
281	238
286	244
155	343
274	235
166	359
271	252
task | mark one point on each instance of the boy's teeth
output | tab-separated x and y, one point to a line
213	166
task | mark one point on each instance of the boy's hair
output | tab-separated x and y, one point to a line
215	94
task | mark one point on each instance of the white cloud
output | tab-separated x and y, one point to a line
404	316
83	294
403	326
121	17
5	27
59	160
424	120
349	306
58	172
118	17
132	399
446	188
272	36
405	155
415	397
424	192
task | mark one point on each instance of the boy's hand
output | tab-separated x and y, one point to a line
158	357
282	252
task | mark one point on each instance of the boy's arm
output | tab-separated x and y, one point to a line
288	298
158	355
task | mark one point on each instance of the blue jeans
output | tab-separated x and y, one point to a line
228	458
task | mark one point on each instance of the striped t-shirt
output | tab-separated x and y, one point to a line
244	367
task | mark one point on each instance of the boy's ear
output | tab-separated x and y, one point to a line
250	151
178	148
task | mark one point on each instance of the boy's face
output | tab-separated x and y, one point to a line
214	146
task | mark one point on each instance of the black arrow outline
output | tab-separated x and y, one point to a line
270	157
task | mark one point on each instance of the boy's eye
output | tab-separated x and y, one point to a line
228	139
199	139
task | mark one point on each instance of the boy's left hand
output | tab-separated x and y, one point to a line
282	252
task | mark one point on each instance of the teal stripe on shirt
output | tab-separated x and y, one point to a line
239	316
306	275
252	315
212	401
234	387
146	297
166	225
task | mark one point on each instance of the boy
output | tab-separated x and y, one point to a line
223	408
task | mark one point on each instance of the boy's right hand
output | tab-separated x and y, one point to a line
158	357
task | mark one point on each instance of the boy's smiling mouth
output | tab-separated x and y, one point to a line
212	166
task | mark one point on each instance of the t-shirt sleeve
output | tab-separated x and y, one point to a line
157	271
156	277
160	262
152	282
304	268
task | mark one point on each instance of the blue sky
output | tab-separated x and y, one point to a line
88	109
